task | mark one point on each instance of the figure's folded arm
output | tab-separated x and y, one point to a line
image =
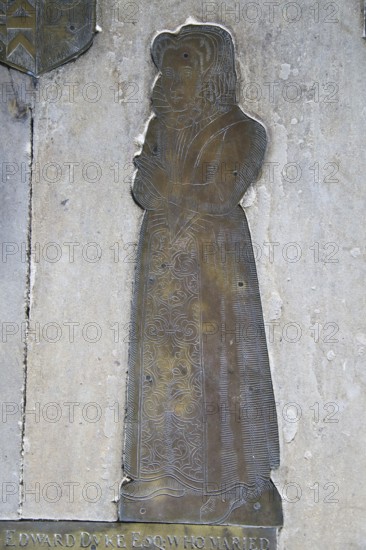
144	192
151	182
150	185
227	167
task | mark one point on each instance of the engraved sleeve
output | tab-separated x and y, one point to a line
143	189
225	167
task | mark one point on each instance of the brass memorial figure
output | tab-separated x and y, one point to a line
201	430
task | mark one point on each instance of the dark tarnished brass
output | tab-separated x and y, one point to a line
94	535
201	431
39	35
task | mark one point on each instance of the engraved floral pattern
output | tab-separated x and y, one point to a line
172	423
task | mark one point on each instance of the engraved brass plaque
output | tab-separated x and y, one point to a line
39	35
201	430
67	534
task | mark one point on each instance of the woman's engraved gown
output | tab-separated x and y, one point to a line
201	431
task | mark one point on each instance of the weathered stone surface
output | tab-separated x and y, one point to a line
15	154
302	73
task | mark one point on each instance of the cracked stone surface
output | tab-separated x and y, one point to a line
15	154
305	80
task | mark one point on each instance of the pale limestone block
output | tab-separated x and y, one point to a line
15	155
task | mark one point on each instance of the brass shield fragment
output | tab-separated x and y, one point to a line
39	35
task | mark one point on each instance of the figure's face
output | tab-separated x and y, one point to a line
180	77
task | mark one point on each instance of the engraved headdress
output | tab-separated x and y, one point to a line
213	46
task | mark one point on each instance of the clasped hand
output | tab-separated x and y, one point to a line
153	173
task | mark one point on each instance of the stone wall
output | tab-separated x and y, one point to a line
302	72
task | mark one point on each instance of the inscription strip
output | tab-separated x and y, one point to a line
143	536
